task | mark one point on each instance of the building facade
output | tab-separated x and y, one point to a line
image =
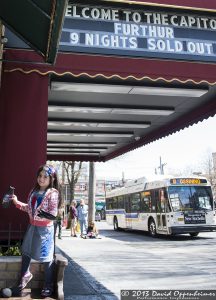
141	49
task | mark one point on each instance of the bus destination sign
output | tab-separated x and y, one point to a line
194	218
141	32
185	181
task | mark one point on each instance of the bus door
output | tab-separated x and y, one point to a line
161	199
128	219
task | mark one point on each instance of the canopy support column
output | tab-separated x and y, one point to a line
91	200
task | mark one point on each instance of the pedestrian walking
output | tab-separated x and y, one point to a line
82	213
38	244
59	220
73	216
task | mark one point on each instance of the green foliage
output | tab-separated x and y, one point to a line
11	251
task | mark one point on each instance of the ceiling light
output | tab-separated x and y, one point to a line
58	144
96	134
74	153
126	89
157	111
164	91
124	125
93	88
79	109
74	124
98	124
140	111
75	149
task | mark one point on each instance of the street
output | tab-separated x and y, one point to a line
133	260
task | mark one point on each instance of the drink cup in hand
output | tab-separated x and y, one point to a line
7	197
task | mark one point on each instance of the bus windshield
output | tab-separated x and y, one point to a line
183	198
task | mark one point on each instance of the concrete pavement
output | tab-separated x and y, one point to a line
100	269
78	283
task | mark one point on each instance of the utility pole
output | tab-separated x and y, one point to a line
123	179
161	167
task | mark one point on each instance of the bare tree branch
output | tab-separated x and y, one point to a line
73	170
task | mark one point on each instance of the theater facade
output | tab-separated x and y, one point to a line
126	74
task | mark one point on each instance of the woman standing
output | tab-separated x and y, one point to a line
38	244
73	215
82	214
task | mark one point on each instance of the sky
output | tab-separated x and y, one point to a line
186	149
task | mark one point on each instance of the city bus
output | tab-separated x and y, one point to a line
162	205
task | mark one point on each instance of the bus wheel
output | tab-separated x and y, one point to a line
115	223
152	228
194	234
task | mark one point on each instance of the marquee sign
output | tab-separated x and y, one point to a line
141	32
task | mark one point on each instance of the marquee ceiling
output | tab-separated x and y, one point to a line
101	120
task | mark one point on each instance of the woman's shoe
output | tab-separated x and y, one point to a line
24	281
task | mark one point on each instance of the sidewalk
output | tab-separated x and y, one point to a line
124	260
78	283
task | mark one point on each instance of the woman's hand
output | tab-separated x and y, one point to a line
14	199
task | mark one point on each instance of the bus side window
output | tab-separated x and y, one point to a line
158	203
135	202
154	197
120	202
115	203
127	204
109	203
146	202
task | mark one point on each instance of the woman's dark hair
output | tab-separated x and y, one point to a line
54	181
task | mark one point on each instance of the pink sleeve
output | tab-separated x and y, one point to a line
53	203
22	206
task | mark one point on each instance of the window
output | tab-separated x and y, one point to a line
135	202
111	203
162	204
115	202
190	198
146	201
127	204
120	202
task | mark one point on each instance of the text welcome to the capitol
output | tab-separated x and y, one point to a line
149	31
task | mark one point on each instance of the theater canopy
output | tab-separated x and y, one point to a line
126	75
37	22
143	76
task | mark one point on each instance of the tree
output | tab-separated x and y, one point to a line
209	170
72	170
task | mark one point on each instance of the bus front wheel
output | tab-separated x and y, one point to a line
115	223
194	234
152	228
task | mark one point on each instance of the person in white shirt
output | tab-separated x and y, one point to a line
82	215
